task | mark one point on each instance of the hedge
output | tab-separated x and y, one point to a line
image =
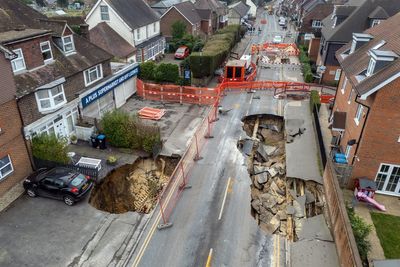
164	72
50	147
146	70
315	100
215	51
306	66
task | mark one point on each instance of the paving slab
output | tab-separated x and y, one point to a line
313	253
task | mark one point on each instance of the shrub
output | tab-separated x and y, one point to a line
178	29
314	99
361	231
147	70
166	72
49	147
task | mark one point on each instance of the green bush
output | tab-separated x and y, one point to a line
50	147
178	29
166	72
314	99
361	230
126	131
147	70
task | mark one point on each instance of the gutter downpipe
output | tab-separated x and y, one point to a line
362	129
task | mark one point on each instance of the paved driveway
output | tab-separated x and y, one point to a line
46	232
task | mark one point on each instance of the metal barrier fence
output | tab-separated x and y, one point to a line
178	181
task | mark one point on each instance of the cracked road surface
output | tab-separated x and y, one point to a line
220	186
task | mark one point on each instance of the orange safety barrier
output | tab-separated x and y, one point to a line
326	98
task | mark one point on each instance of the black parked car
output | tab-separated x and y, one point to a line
58	183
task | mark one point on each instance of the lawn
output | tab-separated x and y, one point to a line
388	229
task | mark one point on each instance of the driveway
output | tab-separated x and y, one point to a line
169	58
46	232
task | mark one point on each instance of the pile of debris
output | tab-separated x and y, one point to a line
151	113
279	204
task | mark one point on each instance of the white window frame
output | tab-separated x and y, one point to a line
353	46
47	50
350	96
371	67
316	23
138	34
387	175
104	15
359	114
18	58
344	85
337	74
348	149
70	43
99	72
7	164
154	27
51	97
375	22
334	22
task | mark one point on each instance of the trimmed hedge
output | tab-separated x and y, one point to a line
306	66
215	51
315	100
166	72
146	70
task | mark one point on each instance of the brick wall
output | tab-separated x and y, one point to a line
329	76
73	85
7	86
313	48
31	51
379	141
168	19
205	27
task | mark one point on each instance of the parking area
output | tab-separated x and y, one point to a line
169	58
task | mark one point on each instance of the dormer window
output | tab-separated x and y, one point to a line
375	22
46	51
371	67
50	99
353	46
68	44
18	63
379	60
359	39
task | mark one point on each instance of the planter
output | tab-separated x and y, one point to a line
84	133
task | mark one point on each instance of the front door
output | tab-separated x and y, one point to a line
387	179
59	127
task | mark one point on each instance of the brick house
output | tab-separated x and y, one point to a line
185	12
237	12
337	29
214	14
133	20
366	117
14	159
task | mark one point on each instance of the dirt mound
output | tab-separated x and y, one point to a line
130	187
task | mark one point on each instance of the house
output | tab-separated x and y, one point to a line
133	20
185	12
253	8
215	11
237	12
337	29
162	6
366	117
14	159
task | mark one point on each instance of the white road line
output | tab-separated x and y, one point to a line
223	201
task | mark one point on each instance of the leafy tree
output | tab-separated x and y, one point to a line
50	147
178	29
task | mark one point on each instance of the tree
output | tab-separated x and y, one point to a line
178	29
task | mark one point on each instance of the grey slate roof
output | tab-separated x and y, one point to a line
188	10
135	13
13	14
212	5
240	7
378	13
357	20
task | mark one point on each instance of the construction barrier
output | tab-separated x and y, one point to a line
289	48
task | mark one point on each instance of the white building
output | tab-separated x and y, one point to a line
253	8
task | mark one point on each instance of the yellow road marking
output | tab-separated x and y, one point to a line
223	201
153	227
279	252
208	264
236	106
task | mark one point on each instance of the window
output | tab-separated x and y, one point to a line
375	22
334	22
387	178
68	44
51	99
359	113
371	67
18	63
93	74
344	85
6	167
316	24
154	27
46	51
353	46
138	34
348	149
337	74
350	95
104	13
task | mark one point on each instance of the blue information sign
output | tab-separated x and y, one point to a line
187	74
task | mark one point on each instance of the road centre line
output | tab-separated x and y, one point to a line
223	201
154	227
208	264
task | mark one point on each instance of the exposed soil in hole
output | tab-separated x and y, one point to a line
278	203
133	187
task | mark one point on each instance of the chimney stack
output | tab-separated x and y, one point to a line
85	31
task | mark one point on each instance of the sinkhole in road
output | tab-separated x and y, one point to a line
133	187
279	204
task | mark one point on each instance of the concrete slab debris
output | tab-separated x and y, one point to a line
267	200
270	150
313	253
299	204
272	172
315	228
290	210
248	146
262	178
309	197
261	151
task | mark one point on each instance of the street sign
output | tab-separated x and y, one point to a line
187	74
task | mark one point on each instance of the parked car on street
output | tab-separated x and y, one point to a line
58	183
277	39
182	52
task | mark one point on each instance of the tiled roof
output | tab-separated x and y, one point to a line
86	56
319	12
241	8
13	13
213	5
188	10
15	35
358	61
135	13
378	13
356	14
106	38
